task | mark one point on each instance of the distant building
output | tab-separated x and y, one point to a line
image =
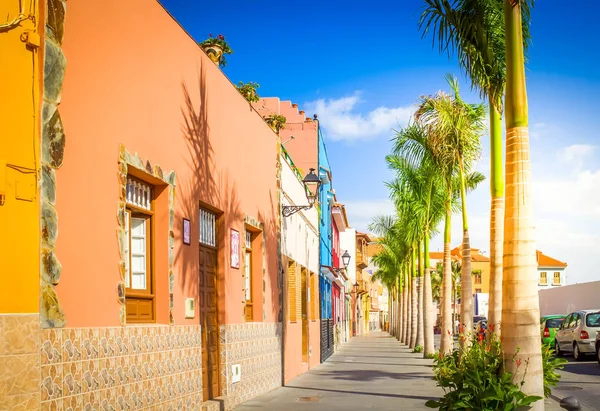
551	272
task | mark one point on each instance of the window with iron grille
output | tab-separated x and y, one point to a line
556	278
208	230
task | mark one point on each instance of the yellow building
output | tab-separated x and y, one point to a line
21	62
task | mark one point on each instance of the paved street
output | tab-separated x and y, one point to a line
374	372
581	380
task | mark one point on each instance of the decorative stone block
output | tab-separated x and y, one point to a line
51	313
49	224
55	20
48	184
54	71
51	267
53	141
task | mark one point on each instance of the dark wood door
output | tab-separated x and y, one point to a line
209	321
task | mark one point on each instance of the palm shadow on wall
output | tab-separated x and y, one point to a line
203	184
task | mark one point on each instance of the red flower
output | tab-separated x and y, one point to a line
480	337
448	332
487	349
210	35
492	326
518	362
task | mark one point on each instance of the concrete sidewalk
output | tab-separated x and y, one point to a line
372	372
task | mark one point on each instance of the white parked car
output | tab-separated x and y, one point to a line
577	333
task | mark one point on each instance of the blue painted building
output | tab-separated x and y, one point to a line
326	276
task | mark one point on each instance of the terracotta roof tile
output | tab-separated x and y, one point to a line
545	261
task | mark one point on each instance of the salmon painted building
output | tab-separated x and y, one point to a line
155	218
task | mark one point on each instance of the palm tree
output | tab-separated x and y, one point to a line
474	29
455	127
412	160
520	304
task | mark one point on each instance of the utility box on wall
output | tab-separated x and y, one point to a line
190	309
236	373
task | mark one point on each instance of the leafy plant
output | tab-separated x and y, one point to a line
431	355
218	41
248	90
418	348
472	379
551	363
276	121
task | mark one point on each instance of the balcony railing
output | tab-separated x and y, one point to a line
361	259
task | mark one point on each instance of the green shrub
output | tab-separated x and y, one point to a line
473	380
418	348
550	364
432	355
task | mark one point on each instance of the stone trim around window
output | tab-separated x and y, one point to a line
127	160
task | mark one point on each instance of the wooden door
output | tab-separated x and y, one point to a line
209	321
304	296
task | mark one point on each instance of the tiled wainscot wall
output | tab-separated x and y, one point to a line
125	368
19	362
256	347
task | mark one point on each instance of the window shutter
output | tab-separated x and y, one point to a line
292	292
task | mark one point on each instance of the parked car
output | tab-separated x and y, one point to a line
598	347
577	333
549	324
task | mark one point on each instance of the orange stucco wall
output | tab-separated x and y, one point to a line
135	77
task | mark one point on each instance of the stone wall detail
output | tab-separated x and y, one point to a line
52	150
121	368
127	160
19	362
257	348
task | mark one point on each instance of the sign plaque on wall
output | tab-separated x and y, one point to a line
187	232
235	248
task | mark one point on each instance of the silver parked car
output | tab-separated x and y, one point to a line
577	333
598	346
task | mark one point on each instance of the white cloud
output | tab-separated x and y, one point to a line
568	195
361	212
342	121
577	152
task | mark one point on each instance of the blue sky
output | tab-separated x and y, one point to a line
361	66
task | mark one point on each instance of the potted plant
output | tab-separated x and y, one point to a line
276	121
216	48
248	90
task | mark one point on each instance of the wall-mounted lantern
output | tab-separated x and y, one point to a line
311	184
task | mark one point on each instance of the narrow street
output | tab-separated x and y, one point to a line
371	372
580	379
374	372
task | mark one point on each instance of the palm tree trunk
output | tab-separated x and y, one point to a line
419	340
428	346
398	319
496	220
520	303
413	299
466	282
446	344
405	308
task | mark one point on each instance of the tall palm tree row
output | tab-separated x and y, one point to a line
490	39
474	31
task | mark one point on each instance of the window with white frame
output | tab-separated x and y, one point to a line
139	216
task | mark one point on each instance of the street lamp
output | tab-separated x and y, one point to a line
346	259
311	185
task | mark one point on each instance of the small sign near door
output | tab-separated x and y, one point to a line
235	248
187	232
